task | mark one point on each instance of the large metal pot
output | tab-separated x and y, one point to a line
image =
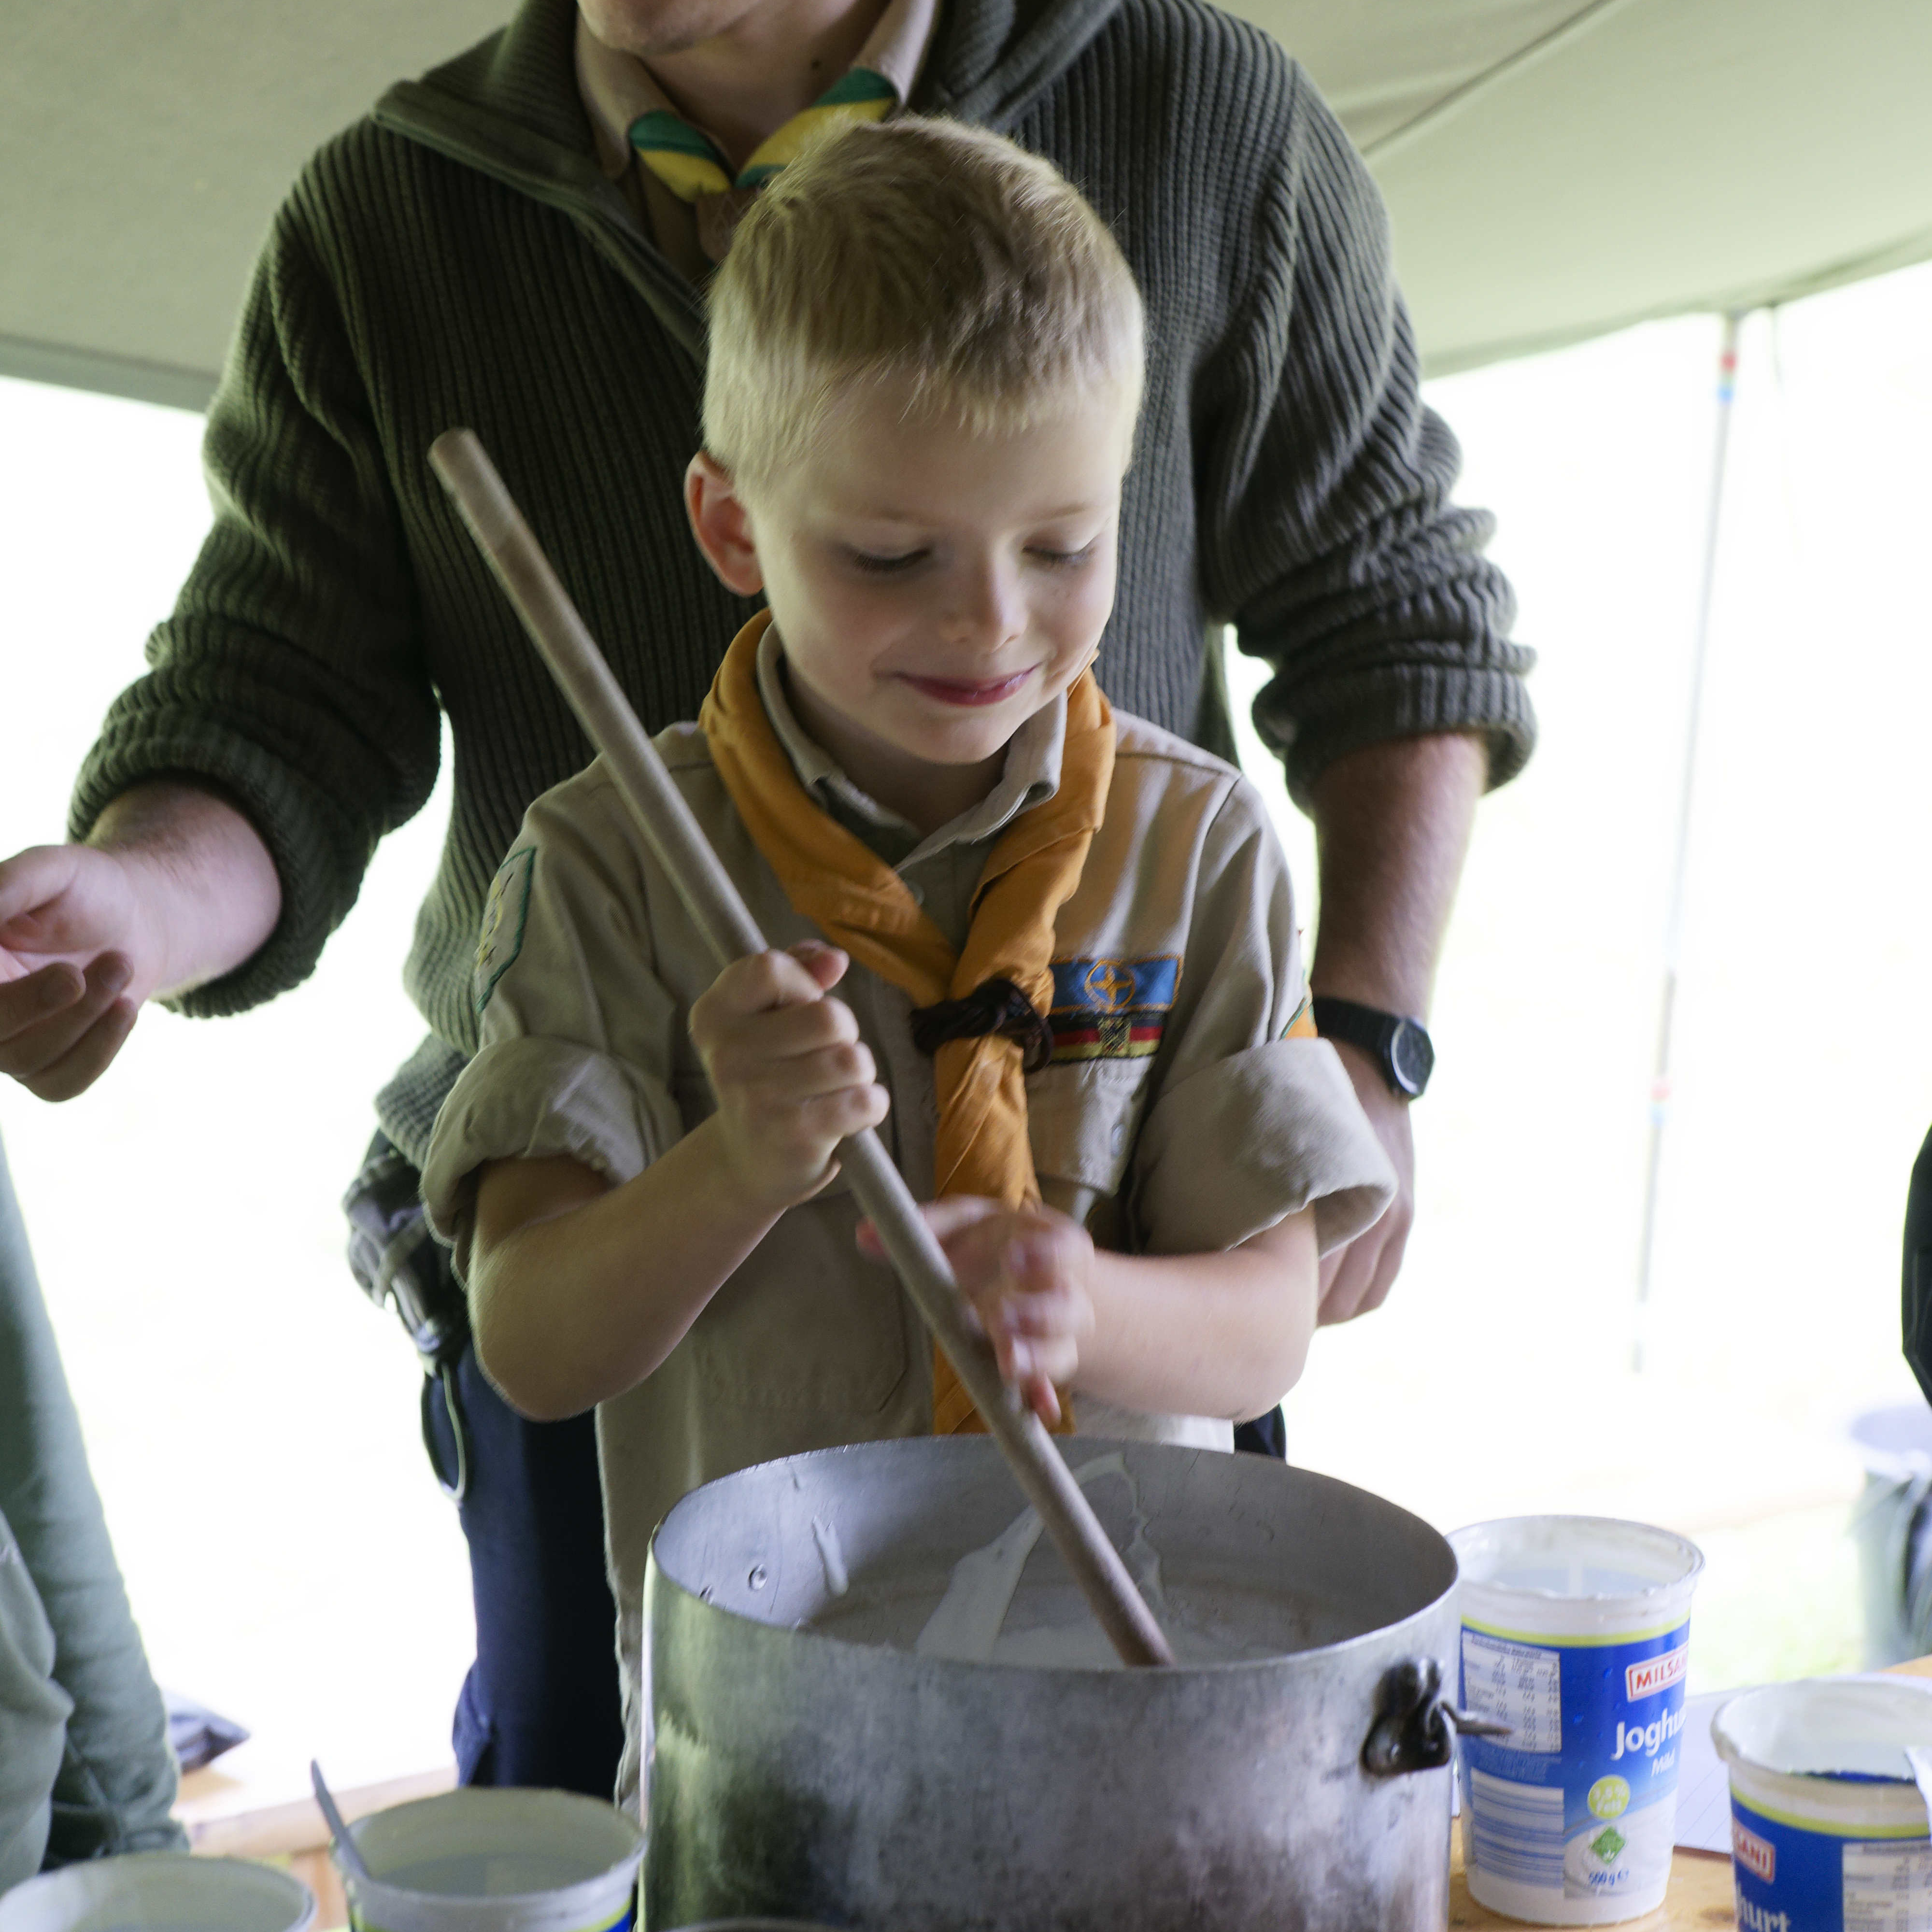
807	1762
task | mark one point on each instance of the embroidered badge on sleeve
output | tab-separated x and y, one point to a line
1111	1009
505	912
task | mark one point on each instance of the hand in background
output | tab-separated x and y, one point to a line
1357	1279
174	888
75	965
1025	1275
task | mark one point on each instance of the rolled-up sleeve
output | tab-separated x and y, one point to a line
1252	1121
1253	1138
578	1034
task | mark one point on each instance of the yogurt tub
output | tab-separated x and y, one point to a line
143	1892
1829	1831
1575	1633
483	1860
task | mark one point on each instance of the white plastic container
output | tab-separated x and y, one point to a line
143	1892
496	1861
1828	1830
1575	1633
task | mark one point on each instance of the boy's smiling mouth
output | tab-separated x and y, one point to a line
972	691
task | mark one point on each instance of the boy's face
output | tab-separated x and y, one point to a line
934	588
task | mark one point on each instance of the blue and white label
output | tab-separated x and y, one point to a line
1578	1801
1793	1878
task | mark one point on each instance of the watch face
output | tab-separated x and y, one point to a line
1412	1057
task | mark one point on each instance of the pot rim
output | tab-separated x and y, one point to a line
657	1577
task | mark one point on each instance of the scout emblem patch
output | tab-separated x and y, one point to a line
504	914
1111	1009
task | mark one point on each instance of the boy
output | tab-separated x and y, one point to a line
1070	990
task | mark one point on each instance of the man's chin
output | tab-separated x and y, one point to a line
651	29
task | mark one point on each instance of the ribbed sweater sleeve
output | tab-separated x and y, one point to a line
1327	536
288	676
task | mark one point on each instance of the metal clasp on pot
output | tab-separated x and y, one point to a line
1412	1729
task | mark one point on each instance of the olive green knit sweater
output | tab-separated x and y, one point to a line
458	257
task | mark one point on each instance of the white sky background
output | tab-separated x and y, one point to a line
252	1420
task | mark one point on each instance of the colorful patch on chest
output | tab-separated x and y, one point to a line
1112	1009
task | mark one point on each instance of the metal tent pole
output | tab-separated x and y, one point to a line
1673	925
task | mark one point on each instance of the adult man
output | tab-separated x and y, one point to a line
517	242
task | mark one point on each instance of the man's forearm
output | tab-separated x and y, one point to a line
1392	822
206	893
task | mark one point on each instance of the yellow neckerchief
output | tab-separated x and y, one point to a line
859	902
692	165
671	173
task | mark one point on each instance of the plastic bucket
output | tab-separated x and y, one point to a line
146	1890
1575	1633
496	1861
1829	1831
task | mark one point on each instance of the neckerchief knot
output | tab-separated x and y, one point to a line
994	1006
859	902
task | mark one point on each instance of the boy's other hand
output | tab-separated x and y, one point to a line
792	1077
1026	1276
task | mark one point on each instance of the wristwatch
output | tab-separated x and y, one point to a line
1400	1046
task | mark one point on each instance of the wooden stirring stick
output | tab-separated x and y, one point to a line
713	901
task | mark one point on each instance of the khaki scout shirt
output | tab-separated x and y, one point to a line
1175	1119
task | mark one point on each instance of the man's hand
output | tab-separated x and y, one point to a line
76	963
1026	1276
1357	1279
792	1076
174	889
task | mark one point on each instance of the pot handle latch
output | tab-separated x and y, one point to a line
1414	1720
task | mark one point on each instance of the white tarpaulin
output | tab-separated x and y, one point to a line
1554	168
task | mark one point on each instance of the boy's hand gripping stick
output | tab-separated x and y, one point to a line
713	901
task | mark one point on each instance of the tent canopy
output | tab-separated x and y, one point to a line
1554	168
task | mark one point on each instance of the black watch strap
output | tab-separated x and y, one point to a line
1400	1046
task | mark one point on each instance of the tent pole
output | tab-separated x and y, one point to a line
1673	925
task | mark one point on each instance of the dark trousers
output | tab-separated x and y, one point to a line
540	1705
1266	1436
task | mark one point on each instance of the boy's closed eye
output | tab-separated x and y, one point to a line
876	565
879	564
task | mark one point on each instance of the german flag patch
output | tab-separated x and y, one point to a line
1111	1009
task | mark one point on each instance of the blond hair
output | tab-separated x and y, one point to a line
922	254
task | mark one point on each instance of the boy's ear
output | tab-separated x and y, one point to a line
721	525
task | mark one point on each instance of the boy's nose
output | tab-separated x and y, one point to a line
988	612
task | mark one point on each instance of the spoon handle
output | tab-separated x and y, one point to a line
347	1850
